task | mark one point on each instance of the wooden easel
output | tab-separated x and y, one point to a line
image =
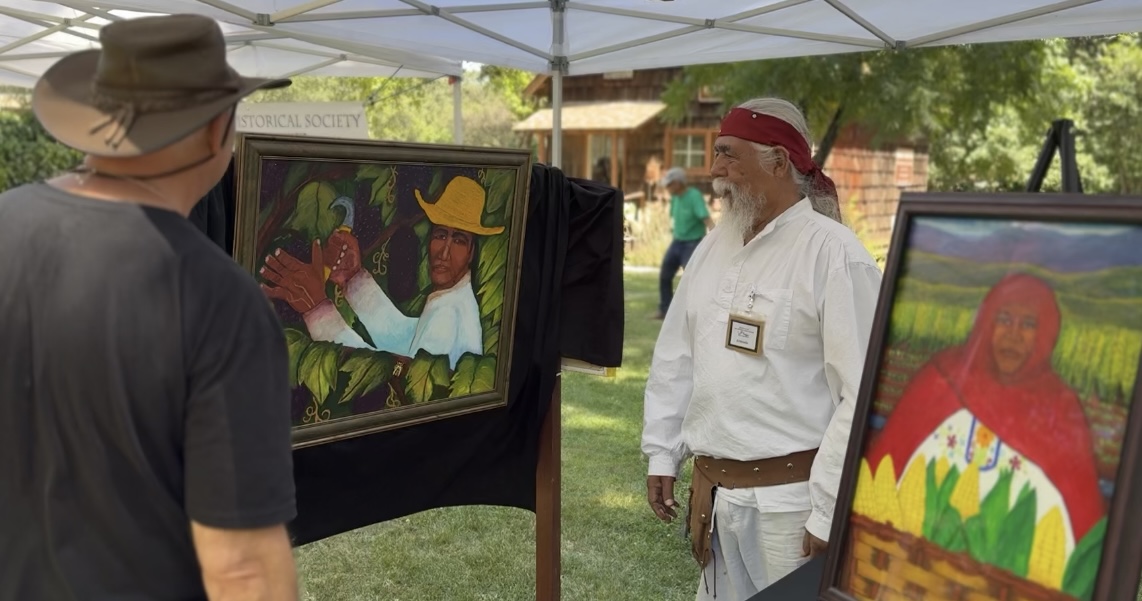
547	501
548	483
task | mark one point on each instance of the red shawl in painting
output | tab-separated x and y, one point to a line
1032	410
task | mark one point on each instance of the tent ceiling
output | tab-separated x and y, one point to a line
600	35
417	39
34	34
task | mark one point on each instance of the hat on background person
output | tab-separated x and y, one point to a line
675	174
154	81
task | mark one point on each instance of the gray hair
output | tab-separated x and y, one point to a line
822	201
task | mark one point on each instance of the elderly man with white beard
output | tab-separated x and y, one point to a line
758	363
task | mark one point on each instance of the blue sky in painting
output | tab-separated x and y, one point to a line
1058	246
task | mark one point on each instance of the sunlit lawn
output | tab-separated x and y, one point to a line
613	548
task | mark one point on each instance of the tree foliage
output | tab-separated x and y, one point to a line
981	110
420	110
27	152
892	93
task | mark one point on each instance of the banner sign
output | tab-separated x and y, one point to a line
321	119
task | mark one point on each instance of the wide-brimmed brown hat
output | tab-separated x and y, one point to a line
154	81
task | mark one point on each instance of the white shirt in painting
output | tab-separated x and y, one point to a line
962	440
449	325
816	287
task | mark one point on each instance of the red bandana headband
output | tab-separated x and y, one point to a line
771	131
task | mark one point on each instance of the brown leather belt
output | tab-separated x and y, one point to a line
710	473
774	471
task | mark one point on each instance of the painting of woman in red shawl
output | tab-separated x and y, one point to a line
997	401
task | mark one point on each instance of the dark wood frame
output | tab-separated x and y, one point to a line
1122	549
252	149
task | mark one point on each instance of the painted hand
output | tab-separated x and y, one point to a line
812	546
342	257
300	284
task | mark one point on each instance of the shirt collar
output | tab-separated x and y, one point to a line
797	210
464	281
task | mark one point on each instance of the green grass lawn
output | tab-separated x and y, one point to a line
613	547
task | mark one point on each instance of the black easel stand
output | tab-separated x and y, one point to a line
1060	137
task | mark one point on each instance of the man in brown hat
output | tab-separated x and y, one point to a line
144	398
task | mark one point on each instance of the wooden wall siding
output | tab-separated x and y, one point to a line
866	186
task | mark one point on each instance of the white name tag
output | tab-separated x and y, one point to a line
744	334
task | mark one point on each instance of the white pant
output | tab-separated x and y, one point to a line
752	550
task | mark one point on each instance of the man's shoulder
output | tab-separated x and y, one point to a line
837	242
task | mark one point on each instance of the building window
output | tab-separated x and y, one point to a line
688	151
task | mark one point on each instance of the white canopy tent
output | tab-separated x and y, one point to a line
33	35
358	37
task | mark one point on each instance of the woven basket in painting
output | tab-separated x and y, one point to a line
886	565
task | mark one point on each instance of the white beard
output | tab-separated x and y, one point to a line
743	209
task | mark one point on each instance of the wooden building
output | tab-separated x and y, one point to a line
613	131
613	120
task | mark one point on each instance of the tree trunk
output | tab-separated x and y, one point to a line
830	137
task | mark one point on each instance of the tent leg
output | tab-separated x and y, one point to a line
457	112
557	120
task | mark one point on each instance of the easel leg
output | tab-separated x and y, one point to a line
547	502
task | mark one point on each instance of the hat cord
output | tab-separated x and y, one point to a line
122	119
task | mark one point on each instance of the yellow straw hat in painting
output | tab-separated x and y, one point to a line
460	206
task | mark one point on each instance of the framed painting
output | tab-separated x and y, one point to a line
394	271
994	451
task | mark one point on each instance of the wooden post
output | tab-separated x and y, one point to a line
547	502
615	160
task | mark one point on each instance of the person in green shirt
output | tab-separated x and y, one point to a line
691	220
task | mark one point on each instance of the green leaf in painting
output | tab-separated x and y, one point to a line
374	172
491	275
474	375
1017	534
982	530
1082	567
428	377
948	531
491	338
313	218
296	174
435	187
931	501
367	370
381	192
423	277
296	343
318	369
415	305
500	186
422	228
492	295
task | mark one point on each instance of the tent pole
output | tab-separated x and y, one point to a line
457	111
559	67
557	120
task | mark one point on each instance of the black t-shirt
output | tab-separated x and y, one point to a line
143	384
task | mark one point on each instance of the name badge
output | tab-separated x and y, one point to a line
744	334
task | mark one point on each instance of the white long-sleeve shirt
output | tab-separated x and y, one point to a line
815	286
449	325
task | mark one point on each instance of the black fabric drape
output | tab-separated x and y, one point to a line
214	214
570	304
591	319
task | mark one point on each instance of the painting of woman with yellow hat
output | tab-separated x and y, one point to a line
393	283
